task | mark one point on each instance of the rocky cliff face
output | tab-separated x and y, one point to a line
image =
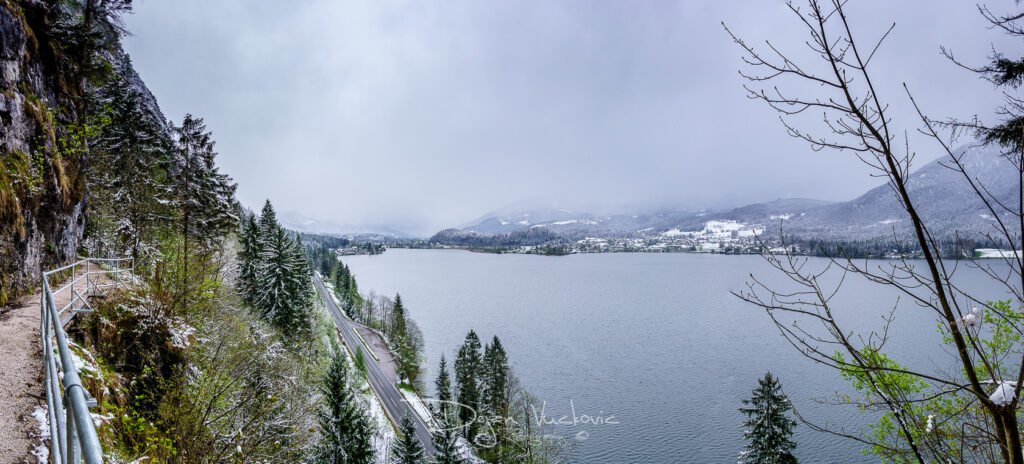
42	173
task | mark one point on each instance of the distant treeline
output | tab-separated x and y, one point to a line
323	241
887	247
546	242
518	238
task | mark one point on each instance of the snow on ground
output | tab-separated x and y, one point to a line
467	452
81	365
421	410
889	221
720	227
750	232
564	223
385	431
718	230
780	216
41	451
330	287
417	405
996	253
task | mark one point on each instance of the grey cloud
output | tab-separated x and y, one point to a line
426	114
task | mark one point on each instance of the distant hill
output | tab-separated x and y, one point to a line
361	233
945	201
943	197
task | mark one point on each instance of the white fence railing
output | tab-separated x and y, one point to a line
72	431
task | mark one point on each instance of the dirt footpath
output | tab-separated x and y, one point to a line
21	380
21	374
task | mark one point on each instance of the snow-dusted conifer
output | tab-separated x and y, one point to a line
283	284
249	258
446	449
205	197
407	448
467	385
494	379
345	431
132	160
768	427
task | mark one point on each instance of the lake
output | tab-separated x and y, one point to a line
656	340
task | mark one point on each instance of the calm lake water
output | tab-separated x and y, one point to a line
656	340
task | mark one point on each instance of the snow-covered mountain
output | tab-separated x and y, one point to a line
573	223
945	200
943	197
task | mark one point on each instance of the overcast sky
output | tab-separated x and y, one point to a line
423	115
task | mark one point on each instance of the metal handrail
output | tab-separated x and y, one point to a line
72	431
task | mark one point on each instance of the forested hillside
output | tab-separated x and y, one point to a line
217	353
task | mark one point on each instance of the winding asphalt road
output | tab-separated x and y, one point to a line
383	387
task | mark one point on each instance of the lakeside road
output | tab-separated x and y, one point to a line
382	385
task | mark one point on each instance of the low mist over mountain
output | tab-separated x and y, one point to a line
302	223
946	202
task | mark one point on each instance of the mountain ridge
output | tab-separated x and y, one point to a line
944	199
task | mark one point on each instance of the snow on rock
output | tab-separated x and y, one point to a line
181	335
1003	394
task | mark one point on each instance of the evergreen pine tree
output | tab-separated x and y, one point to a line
398	317
495	379
351	299
283	287
443	385
249	258
494	405
341	281
405	347
205	197
268	220
407	448
445	446
467	367
442	389
132	159
769	429
345	431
